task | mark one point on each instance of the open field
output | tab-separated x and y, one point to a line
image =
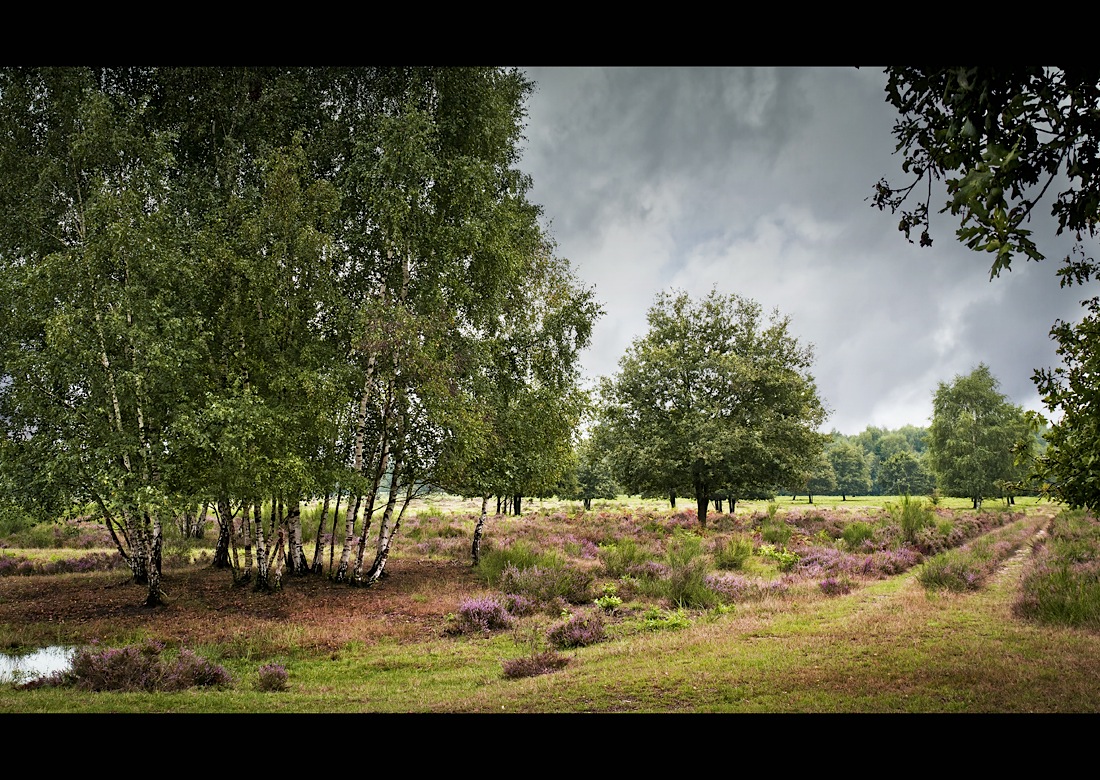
883	643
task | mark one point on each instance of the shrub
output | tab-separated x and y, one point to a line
141	668
786	559
911	515
579	630
775	532
660	620
619	558
534	665
519	605
549	584
272	677
192	671
610	600
855	534
479	616
733	553
836	586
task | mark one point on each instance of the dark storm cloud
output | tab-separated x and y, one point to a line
755	181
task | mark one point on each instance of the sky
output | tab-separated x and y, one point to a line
756	181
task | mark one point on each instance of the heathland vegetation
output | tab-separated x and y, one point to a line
784	606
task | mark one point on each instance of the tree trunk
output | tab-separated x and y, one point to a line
318	547
517	505
349	539
587	504
332	536
479	528
154	597
672	500
385	532
280	560
224	514
379	567
296	555
262	573
702	491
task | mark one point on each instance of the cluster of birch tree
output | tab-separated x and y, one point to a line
256	286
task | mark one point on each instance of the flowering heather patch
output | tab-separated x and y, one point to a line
519	605
141	668
827	561
192	671
968	567
733	588
815	521
272	677
450	547
886	563
579	630
12	565
548	583
1062	586
579	548
18	565
836	586
534	665
685	518
482	615
647	570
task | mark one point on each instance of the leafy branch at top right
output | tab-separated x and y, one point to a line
1006	141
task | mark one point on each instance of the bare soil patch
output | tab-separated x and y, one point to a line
409	604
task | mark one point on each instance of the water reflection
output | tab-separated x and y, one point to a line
40	663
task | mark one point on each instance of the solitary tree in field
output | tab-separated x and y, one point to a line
714	397
973	431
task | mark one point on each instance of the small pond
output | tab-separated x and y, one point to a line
23	667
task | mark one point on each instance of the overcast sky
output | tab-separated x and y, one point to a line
755	180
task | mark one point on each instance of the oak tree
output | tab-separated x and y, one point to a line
715	396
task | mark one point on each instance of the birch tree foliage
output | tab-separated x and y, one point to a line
96	333
973	431
714	396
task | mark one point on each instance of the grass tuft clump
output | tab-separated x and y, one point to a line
856	533
580	630
535	664
622	557
272	678
479	616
